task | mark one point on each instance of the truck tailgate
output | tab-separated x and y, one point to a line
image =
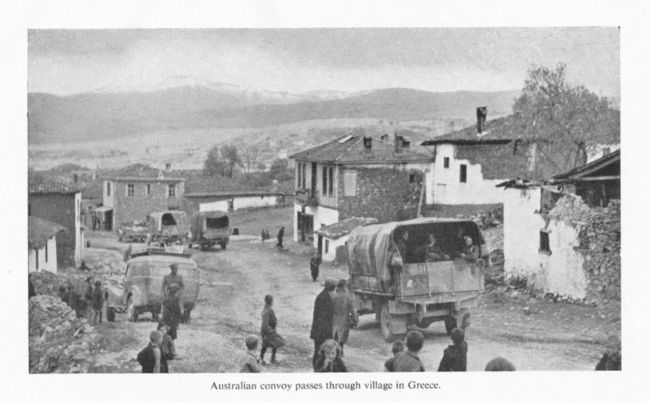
441	278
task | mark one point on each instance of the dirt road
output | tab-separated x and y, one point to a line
235	281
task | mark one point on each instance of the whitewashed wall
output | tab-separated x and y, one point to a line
254	201
322	216
444	186
330	255
559	272
43	264
221	205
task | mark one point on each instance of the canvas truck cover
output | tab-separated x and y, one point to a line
370	248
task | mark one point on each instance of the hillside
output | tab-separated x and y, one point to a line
109	115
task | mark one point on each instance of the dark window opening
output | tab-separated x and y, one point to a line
36	259
216	223
172	190
327	246
29	208
331	184
46	251
108	188
130	190
544	244
168	219
367	143
446	162
324	181
463	173
412	178
148	189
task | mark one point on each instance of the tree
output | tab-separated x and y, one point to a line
249	153
214	163
564	122
279	166
230	154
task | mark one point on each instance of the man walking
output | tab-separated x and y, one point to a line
280	236
323	321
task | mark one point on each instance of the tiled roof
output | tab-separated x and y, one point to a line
341	228
496	130
43	184
40	230
586	169
350	149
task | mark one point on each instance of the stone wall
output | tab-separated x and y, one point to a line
600	244
137	207
58	341
383	193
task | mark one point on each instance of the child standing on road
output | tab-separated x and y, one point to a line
167	345
97	302
270	336
398	347
455	356
252	363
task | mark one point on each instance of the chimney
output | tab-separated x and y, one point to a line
168	166
481	117
367	143
397	139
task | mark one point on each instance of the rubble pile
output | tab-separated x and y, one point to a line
46	283
58	341
600	244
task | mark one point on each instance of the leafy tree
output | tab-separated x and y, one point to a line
214	163
230	154
565	122
279	167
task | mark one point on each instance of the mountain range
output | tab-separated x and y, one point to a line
191	103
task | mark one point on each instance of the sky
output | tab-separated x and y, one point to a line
65	62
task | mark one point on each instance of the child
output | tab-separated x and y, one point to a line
167	345
252	363
329	358
270	336
409	361
611	360
398	347
499	364
151	357
97	302
455	356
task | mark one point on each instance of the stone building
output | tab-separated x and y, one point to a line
59	203
132	195
357	176
562	236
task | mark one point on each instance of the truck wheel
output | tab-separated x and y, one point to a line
110	314
384	323
131	312
450	324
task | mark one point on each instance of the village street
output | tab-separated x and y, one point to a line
233	285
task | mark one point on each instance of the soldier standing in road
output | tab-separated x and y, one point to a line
172	278
172	310
345	316
270	336
314	264
323	322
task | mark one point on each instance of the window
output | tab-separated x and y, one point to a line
331	184
463	173
36	250
171	190
445	162
412	178
304	176
544	245
324	181
108	188
327	245
298	175
350	183
29	209
130	190
46	251
148	189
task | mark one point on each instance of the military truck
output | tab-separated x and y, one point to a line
405	281
210	228
168	227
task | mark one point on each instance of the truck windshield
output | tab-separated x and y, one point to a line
216	223
429	242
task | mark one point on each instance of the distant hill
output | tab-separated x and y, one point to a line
118	112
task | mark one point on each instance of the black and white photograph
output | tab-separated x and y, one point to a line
328	200
242	199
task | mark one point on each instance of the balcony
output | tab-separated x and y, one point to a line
305	197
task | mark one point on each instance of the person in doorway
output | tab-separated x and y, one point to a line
314	265
270	337
252	363
172	310
151	357
280	237
97	302
345	315
611	359
409	361
454	358
398	347
329	358
322	326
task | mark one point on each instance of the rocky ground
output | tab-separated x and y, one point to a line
534	334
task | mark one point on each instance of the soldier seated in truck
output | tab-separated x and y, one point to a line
469	251
433	251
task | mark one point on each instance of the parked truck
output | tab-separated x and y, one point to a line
210	228
168	227
405	278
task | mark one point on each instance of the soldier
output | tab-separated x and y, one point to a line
345	316
172	310
172	278
314	264
323	320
